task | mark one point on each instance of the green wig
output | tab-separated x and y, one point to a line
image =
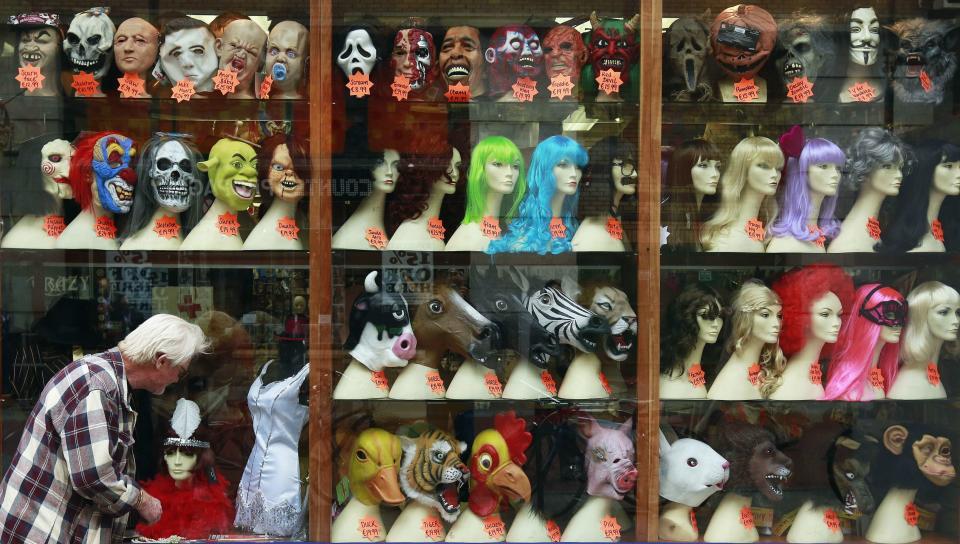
492	148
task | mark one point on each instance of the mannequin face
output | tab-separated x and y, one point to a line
386	171
944	320
241	49
54	167
284	182
706	176
824	178
232	170
946	178
624	184
763	177
287	47
864	36
180	463
886	179
461	60
190	54
501	176
39	47
172	177
766	324
825	318
709	328
358	54
448	182
890	335
566	175
299	305
414	57
564	53
136	45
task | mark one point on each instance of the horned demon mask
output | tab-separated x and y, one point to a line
742	37
415	57
232	170
806	48
613	45
925	51
89	42
688	40
515	51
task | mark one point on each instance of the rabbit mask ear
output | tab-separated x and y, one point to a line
664	444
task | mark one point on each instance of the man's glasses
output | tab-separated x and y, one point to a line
626	168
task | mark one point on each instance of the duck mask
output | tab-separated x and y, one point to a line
743	36
514	52
112	171
232	170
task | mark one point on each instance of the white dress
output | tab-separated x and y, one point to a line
269	500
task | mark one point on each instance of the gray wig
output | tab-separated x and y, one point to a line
873	147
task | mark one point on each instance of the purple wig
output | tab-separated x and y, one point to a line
795	199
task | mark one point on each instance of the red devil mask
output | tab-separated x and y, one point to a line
742	37
414	56
613	45
514	52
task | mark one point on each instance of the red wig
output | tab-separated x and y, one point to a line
799	289
81	167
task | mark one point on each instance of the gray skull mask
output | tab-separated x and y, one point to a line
173	177
89	42
689	42
806	48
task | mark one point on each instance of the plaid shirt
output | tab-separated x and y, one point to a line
72	477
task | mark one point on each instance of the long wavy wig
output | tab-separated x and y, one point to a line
753	297
794	200
419	171
916	346
679	337
492	148
799	289
530	231
680	213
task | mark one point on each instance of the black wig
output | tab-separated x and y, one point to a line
596	199
679	334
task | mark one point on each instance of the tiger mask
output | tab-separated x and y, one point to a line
432	473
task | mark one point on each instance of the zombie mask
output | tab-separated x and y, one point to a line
565	52
514	52
806	47
241	49
232	171
415	57
924	48
287	47
172	177
688	40
89	41
742	37
189	52
358	54
136	45
609	459
112	172
461	59
55	167
864	36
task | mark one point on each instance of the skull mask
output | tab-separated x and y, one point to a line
172	177
358	54
806	48
89	42
689	43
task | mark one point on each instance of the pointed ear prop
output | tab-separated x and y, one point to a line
207	165
894	438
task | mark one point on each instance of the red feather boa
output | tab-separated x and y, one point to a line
194	512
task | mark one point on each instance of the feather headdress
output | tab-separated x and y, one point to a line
185	420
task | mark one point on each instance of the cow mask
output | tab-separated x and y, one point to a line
924	47
742	37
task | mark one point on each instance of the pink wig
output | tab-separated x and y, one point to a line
799	289
849	369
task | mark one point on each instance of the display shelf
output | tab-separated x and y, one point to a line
684	113
453	259
172	259
672	405
455	405
714	261
544	111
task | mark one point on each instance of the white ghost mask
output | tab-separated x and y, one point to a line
358	53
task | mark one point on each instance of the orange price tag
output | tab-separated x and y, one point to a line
105	228
183	90
876	378
614	228
493	384
30	78
400	87
933	374
754	229
525	89
873	228
548	382
490	227
379	379
610	528
746	517
435	382
226	81
131	85
831	520
800	90
925	81
557	228
696	376
435	228
746	90
432	528
911	515
376	237
166	227
228	225
265	87
821	237
359	85
816	373
53	225
753	374
553	531
84	84
605	383
693	521
862	92
370	529
494	527
287	228
936	229
609	81
560	86
458	92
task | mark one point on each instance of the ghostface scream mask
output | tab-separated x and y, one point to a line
89	42
613	45
806	48
743	36
689	43
565	52
112	172
514	52
358	54
172	176
415	57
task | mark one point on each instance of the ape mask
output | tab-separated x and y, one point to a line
514	52
89	42
742	37
914	457
923	47
688	42
565	52
358	54
609	456
806	48
232	170
755	461
415	56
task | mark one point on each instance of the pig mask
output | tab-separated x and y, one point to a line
610	454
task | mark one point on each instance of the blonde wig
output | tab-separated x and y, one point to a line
734	181
917	346
753	297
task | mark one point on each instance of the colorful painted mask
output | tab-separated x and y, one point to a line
358	54
613	45
609	454
89	41
232	171
743	37
112	171
514	52
565	52
415	57
461	59
55	167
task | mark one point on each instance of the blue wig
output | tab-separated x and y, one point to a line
530	231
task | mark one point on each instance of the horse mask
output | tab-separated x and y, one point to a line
380	332
445	321
925	60
743	37
609	458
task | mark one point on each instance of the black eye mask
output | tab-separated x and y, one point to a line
889	313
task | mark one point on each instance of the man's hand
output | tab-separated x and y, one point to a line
149	508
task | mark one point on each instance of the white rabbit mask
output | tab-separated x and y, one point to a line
690	471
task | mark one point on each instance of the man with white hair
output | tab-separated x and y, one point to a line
72	476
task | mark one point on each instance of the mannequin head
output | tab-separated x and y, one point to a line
283	169
564	53
812	175
135	46
101	173
693	175
241	49
740	53
169	179
288	52
89	41
875	162
807	47
815	297
613	178
496	165
185	457
864	32
757	317
358	52
385	172
414	56
437	171
231	168
514	52
556	168
877	316
688	45
39	38
695	316
934	316
755	165
612	45
461	59
609	455
188	51
923	46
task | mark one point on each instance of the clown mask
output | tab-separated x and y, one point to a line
190	54
113	174
172	177
232	171
613	45
461	60
284	182
742	38
241	49
515	51
415	57
358	54
89	40
287	47
565	53
136	45
55	166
